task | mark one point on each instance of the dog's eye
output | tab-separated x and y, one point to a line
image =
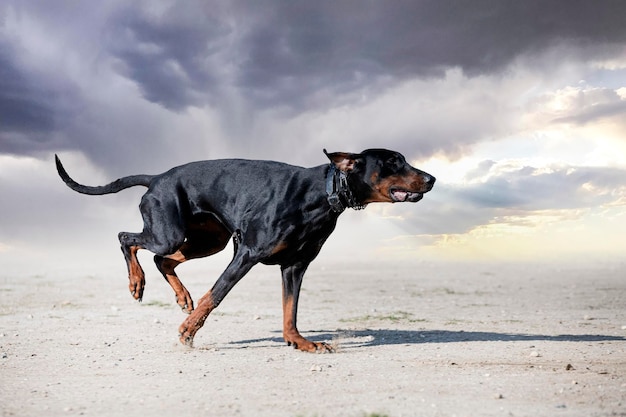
394	162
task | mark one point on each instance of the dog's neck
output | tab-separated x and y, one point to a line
340	196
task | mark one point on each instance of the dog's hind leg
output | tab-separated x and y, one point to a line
166	265
136	276
162	234
204	238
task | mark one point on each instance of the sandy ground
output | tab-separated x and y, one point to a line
412	340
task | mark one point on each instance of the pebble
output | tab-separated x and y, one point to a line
316	368
624	327
535	354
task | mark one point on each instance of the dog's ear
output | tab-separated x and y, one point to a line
344	161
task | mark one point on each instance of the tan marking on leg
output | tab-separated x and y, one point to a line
196	319
177	256
136	277
279	248
183	298
293	337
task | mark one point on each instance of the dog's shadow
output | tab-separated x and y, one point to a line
348	339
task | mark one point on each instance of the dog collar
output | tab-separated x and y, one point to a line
340	196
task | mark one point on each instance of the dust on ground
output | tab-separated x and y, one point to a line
412	340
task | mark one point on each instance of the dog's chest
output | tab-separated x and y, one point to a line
295	241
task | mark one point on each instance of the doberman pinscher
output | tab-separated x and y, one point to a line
277	214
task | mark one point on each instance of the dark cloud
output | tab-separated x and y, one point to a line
289	53
22	108
301	48
30	106
35	107
237	59
170	55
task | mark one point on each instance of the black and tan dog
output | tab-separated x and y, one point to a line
277	214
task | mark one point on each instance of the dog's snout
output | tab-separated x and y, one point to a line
428	180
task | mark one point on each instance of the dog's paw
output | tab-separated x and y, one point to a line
186	303
136	284
324	348
186	334
306	345
186	340
136	289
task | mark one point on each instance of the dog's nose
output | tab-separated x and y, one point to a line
429	181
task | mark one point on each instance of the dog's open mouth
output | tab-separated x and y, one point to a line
399	195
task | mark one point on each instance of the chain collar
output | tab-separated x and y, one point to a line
340	196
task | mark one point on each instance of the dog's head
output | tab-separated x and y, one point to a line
381	175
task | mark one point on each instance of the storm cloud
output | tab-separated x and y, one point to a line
286	53
240	60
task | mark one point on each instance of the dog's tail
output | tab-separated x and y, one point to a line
113	187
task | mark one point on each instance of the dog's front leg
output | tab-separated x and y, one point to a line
292	281
239	266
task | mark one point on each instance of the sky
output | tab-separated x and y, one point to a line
517	107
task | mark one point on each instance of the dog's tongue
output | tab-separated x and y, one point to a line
400	195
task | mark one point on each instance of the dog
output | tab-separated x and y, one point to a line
276	214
